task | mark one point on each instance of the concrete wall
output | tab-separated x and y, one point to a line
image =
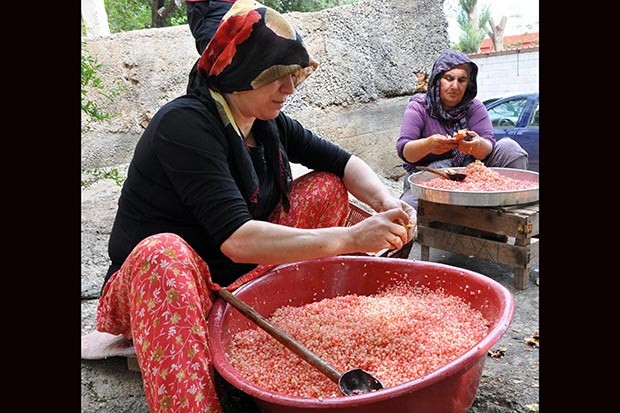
507	73
368	54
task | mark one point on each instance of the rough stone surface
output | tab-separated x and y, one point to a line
368	53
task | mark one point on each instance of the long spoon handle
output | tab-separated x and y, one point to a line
280	335
435	171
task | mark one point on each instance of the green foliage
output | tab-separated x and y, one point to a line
178	17
98	174
469	42
472	27
127	15
90	81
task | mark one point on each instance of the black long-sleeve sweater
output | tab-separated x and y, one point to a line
187	176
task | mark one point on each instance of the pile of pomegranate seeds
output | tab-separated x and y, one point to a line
480	179
397	335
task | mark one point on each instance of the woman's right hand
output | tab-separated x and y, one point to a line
382	230
438	144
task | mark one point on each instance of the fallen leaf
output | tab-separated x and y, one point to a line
533	341
498	353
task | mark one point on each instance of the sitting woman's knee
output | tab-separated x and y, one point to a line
162	242
319	182
507	153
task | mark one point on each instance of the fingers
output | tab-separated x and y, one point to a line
466	147
412	231
401	227
394	242
411	222
401	236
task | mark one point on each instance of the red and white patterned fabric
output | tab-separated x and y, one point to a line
161	297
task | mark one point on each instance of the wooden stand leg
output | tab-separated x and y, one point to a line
522	278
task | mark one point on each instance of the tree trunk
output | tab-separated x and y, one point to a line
160	12
156	20
473	17
497	33
95	18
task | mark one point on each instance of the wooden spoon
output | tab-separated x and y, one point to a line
351	382
446	173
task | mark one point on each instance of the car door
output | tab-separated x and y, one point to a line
528	136
517	118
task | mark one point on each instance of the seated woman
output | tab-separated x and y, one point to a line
209	201
450	104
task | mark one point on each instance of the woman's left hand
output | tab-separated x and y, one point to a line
412	224
475	145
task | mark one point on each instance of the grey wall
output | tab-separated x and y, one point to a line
368	53
507	73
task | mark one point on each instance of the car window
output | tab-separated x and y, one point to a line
507	113
535	117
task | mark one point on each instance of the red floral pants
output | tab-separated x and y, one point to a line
161	296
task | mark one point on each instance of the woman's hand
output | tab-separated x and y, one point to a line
411	223
389	229
475	145
364	184
438	144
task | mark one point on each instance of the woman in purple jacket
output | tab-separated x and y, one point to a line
431	119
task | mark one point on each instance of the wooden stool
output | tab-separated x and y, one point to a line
518	222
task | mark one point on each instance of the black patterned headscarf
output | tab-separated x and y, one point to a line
448	60
453	118
253	46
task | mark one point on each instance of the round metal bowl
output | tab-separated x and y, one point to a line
475	198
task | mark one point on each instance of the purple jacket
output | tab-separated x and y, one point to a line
425	115
417	123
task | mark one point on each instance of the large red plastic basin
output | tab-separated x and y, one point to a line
450	389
